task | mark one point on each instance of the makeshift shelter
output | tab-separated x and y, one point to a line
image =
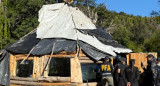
66	38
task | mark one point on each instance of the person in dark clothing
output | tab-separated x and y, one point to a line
106	70
98	73
116	63
148	72
119	72
156	73
132	74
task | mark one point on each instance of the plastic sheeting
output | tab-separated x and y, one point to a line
45	46
61	18
92	52
102	36
4	68
63	21
25	44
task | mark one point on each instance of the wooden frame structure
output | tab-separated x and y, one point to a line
43	79
75	64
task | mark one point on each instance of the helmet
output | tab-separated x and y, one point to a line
150	55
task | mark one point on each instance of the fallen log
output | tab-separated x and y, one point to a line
23	82
54	79
42	79
24	79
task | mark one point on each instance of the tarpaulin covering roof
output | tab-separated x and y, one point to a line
63	21
44	46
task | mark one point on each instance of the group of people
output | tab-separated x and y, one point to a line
121	74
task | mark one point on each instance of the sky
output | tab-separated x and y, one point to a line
135	7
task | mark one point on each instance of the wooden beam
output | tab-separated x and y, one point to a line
23	82
36	67
24	79
86	61
44	79
13	65
76	73
45	74
84	58
21	58
89	61
54	79
62	56
128	57
57	84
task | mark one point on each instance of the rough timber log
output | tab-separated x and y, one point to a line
23	82
55	79
24	79
76	73
45	79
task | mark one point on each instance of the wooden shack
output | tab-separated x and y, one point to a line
40	75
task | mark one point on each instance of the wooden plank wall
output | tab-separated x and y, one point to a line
38	66
139	58
76	73
13	65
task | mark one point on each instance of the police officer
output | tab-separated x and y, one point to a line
156	73
132	74
119	72
107	69
148	72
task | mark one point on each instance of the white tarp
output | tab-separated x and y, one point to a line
62	21
60	18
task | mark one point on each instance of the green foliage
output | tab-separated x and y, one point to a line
17	18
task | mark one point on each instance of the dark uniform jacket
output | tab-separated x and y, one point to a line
119	79
106	69
148	74
156	73
132	76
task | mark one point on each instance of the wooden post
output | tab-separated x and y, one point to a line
13	65
76	73
127	57
45	74
36	67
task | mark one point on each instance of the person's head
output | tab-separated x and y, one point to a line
158	60
118	57
123	60
106	59
150	57
131	62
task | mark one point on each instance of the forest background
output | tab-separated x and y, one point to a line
141	34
